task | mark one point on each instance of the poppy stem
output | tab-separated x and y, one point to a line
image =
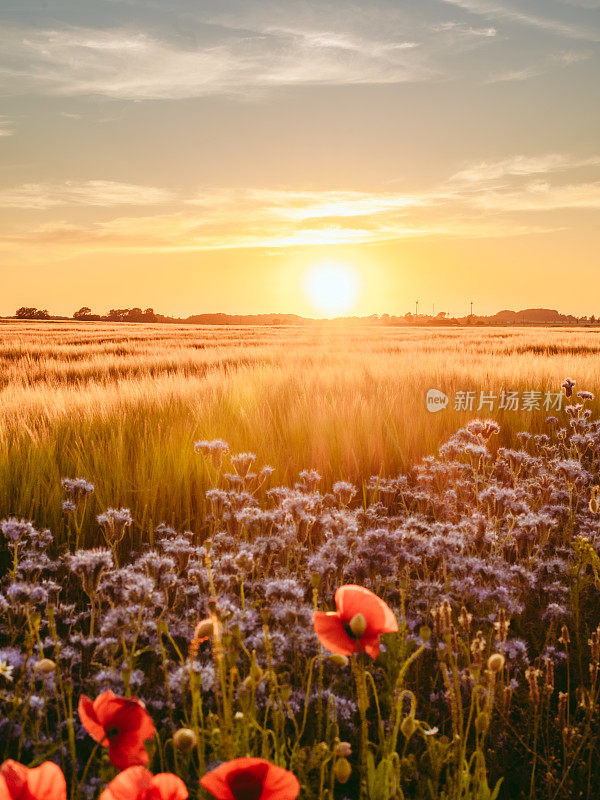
87	766
358	665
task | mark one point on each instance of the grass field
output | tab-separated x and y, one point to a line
123	404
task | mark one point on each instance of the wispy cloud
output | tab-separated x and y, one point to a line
134	65
516	166
498	11
540	67
6	127
543	196
466	30
482	200
83	193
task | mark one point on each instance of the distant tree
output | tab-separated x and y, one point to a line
118	314
27	312
592	319
442	315
83	312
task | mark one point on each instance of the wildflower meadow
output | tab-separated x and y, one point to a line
428	634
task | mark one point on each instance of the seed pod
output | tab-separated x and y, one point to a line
342	770
185	740
358	625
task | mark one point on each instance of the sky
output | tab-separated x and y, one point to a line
197	156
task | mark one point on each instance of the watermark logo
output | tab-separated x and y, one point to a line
529	400
436	400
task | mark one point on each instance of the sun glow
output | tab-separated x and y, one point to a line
332	287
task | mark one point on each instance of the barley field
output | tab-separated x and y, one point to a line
123	404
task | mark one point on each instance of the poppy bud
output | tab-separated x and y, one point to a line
594	504
496	662
315	580
482	723
425	633
338	660
408	726
343	749
204	629
45	666
342	770
185	740
358	625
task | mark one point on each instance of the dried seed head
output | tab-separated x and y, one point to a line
502	625
532	675
464	620
563	701
548	675
478	646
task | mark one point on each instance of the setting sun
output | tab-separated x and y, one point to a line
332	287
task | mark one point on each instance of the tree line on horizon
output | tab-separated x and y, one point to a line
136	314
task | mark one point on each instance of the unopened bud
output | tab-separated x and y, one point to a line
482	723
343	749
204	629
425	633
185	740
45	666
408	726
339	660
342	770
358	625
594	505
496	662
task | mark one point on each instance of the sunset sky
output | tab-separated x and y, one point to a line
200	156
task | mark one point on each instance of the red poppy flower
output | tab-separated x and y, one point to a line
356	626
45	782
121	722
251	779
136	783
